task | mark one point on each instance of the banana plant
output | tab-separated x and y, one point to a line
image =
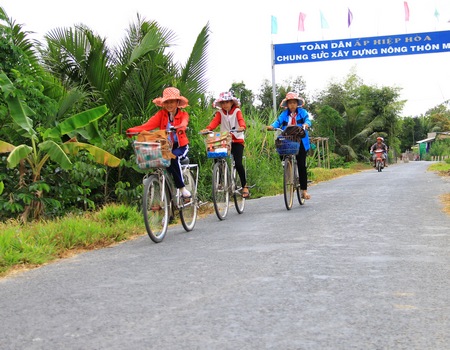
47	144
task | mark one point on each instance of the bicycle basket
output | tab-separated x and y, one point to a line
218	145
287	145
150	154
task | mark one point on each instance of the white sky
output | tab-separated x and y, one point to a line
240	42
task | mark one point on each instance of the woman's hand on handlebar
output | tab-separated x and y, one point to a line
240	129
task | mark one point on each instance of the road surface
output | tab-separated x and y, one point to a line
364	264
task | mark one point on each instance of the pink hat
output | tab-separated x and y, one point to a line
226	96
171	93
292	96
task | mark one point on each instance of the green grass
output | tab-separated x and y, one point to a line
443	169
321	174
440	167
41	242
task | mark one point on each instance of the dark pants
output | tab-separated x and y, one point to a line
237	150
301	163
175	166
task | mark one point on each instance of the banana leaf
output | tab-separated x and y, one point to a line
100	156
56	153
17	154
17	109
6	147
77	121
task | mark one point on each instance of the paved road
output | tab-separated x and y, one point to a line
365	264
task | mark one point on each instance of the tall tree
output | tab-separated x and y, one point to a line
244	95
128	77
367	112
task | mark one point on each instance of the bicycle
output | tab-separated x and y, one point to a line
225	181
160	198
288	147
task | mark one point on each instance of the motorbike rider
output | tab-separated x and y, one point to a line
377	146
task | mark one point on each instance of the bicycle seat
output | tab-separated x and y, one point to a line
184	161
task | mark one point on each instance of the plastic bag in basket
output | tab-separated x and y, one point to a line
160	136
149	155
218	144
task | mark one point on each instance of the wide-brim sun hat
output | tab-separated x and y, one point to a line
292	96
380	138
226	96
171	93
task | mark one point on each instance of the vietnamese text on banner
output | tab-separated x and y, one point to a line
379	46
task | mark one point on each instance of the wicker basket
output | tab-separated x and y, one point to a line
218	145
287	145
149	155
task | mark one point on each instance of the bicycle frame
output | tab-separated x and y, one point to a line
231	167
166	181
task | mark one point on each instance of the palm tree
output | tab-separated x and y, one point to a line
126	78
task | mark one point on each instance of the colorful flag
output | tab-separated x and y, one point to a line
405	4
301	22
323	21
436	13
274	25
349	18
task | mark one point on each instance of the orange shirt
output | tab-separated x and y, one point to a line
161	119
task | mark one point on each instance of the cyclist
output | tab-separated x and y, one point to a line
295	114
379	145
171	115
229	117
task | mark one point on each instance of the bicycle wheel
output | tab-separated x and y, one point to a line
156	209
288	183
301	200
188	208
220	193
239	201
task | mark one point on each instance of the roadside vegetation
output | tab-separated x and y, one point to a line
65	105
443	169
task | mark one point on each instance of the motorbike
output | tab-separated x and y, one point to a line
379	158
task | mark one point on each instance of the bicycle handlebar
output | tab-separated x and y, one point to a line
211	132
171	129
274	129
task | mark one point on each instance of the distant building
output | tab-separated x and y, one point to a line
425	144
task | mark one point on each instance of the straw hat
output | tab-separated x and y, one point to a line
292	96
171	93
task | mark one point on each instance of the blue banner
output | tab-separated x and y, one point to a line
378	46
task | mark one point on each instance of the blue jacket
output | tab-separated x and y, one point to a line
302	118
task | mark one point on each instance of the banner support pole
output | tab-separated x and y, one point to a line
274	88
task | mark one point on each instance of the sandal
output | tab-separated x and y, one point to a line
245	192
305	195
